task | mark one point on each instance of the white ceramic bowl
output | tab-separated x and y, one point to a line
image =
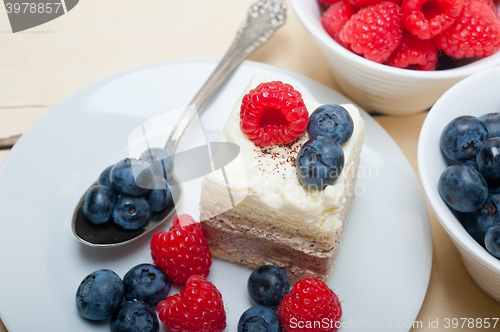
475	95
377	87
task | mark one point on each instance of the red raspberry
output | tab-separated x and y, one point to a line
198	308
414	53
493	7
183	251
366	3
273	112
328	2
335	18
427	18
476	32
374	31
310	302
324	4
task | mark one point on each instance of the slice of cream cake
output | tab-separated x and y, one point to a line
257	212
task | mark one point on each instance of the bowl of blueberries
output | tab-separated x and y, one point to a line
459	166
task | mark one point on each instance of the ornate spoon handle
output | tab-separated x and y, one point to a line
264	17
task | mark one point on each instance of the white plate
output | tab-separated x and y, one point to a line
383	269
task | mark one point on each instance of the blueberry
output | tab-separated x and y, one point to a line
492	241
492	123
99	294
463	188
132	177
159	197
488	215
134	316
131	212
469	222
147	283
105	177
154	157
320	162
488	160
259	319
267	285
98	204
462	137
471	162
331	121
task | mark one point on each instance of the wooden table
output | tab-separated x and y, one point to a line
41	66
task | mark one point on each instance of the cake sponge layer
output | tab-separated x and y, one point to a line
240	240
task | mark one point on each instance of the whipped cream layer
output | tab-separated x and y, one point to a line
265	188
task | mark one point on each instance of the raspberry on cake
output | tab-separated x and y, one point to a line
273	113
280	221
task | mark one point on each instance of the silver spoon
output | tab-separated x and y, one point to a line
264	17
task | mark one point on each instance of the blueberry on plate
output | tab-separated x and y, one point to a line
488	160
320	162
146	283
267	285
99	294
105	177
492	241
134	316
331	121
132	177
462	138
159	196
488	215
462	188
259	319
131	212
160	161
98	204
492	123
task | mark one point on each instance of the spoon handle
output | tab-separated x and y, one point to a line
264	17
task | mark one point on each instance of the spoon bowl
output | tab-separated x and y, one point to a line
111	235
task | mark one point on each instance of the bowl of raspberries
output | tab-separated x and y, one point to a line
399	56
459	166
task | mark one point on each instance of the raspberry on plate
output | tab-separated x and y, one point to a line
374	31
475	32
427	18
414	53
182	251
198	308
308	306
335	17
273	113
